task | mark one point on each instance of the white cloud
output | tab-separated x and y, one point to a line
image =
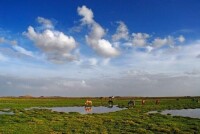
140	39
45	22
97	32
116	44
149	48
171	41
181	38
55	44
168	60
60	47
16	47
22	50
121	32
158	42
128	44
102	47
95	38
87	14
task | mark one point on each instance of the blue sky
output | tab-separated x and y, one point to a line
99	48
140	16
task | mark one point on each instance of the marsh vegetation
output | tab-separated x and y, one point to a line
130	120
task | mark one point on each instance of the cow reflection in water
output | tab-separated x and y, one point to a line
110	102
88	106
88	109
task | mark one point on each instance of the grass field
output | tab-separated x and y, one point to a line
133	120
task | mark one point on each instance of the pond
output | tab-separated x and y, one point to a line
8	113
82	110
193	113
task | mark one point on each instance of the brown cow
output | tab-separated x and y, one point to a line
88	103
157	101
143	102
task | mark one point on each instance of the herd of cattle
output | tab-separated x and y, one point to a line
131	103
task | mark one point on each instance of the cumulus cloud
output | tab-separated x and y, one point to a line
107	49
181	38
147	41
121	32
140	39
102	47
167	60
45	22
55	44
95	38
87	14
158	42
149	48
152	56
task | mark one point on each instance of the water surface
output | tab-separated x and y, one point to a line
193	113
8	113
82	110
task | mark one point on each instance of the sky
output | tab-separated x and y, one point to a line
100	48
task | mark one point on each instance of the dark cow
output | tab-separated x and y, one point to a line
131	103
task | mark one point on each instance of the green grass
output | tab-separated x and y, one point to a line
134	120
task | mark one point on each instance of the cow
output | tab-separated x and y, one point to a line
131	103
143	102
88	103
157	101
